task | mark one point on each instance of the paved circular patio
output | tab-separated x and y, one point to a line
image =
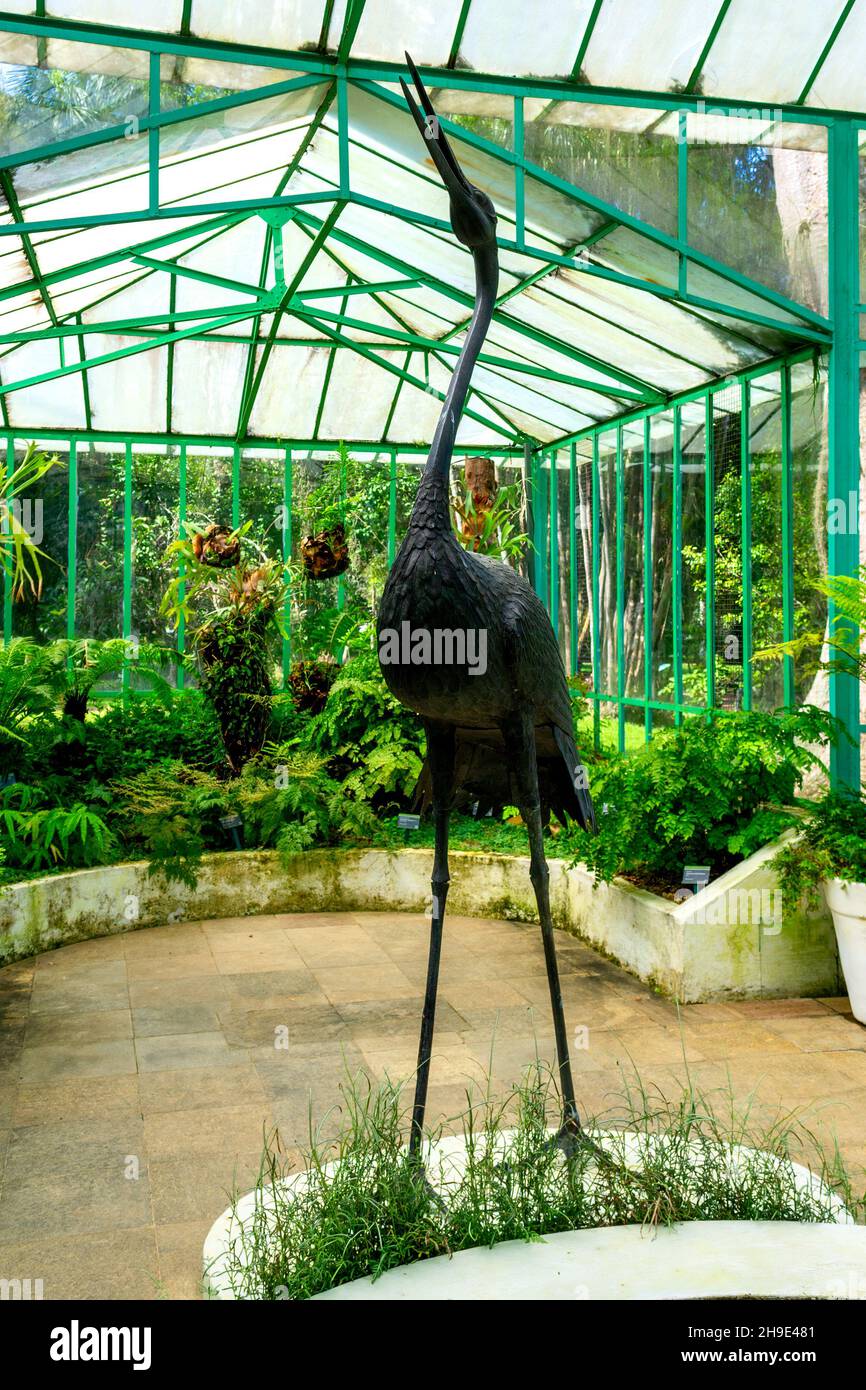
138	1073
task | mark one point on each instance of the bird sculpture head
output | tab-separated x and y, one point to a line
473	216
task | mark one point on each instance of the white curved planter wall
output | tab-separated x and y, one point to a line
847	902
701	1259
728	941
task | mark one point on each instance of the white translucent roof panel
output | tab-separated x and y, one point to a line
56	404
129	394
841	81
416	412
298	372
359	392
425	29
759	53
511	36
207	383
799	32
646	46
279	24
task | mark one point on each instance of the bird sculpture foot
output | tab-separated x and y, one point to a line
419	1176
570	1136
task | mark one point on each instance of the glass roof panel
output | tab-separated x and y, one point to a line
840	81
361	392
287	24
207	383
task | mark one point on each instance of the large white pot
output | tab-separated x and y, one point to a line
771	1259
847	903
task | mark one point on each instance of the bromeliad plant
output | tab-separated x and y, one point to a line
234	604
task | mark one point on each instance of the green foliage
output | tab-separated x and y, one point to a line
19	555
285	799
26	691
374	743
34	836
847	593
499	534
709	793
81	665
831	844
231	637
122	738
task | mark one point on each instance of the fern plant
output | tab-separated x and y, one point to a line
831	844
847	594
26	688
711	792
36	837
81	664
375	745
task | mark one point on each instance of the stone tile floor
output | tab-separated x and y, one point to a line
138	1073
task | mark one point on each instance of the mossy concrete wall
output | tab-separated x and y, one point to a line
730	940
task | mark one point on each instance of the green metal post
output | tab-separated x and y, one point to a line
127	560
787	480
392	509
573	615
553	495
153	103
236	486
620	591
746	540
682	200
72	540
647	579
539	537
843	481
677	568
7	577
519	175
181	527
287	555
710	548
596	641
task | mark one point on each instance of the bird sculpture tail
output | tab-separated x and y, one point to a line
484	777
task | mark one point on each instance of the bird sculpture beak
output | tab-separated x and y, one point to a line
443	156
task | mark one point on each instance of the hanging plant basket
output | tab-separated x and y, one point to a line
325	555
218	546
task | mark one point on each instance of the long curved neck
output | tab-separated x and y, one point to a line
432	509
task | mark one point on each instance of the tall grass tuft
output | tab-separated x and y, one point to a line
363	1206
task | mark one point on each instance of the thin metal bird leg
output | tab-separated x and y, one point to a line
440	756
520	738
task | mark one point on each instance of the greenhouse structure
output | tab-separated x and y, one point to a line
233	296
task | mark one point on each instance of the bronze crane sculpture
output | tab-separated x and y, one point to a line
466	643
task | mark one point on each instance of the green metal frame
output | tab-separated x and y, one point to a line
623	399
